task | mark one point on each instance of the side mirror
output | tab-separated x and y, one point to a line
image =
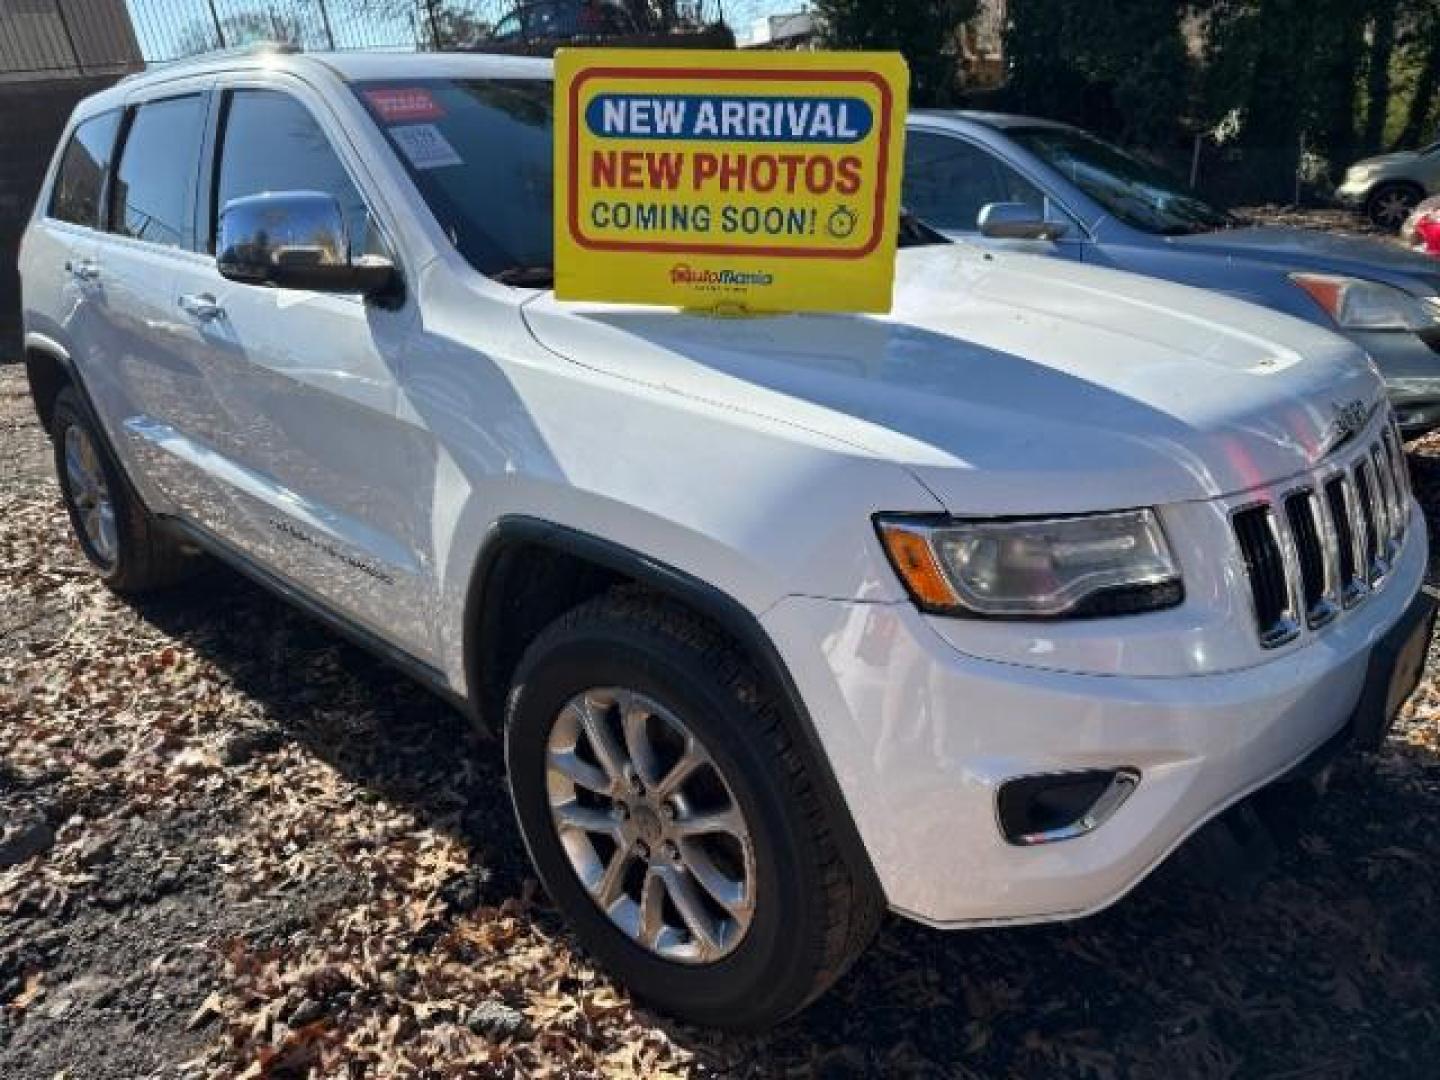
297	240
1018	221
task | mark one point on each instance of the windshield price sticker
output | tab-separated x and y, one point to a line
755	181
399	105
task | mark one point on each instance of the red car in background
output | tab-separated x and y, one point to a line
1422	230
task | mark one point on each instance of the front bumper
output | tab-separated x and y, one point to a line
1353	193
921	737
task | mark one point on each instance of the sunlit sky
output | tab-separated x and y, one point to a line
741	14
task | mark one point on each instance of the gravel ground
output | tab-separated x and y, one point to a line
233	845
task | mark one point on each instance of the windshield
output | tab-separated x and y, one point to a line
1137	193
481	153
479	150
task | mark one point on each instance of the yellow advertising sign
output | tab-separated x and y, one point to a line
728	180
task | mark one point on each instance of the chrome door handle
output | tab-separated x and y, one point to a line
83	270
201	306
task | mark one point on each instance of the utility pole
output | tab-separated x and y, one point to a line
215	18
434	24
325	22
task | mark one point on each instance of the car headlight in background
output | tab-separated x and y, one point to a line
1356	304
1105	564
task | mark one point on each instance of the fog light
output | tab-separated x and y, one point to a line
1048	808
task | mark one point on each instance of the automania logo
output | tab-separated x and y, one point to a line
684	274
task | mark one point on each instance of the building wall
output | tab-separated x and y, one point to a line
43	39
32	116
52	53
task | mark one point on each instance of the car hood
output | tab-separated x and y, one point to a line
1320	252
1010	383
1399	157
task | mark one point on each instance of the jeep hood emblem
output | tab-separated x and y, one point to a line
1350	419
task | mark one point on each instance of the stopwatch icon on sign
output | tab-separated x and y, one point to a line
842	223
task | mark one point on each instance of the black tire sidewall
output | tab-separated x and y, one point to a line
1373	202
70	412
773	962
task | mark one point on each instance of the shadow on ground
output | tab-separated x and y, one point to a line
1327	968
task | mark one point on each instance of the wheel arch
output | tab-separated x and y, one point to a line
1408	182
513	549
49	369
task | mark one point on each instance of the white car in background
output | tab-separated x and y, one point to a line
972	612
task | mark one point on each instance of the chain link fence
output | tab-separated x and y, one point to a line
173	29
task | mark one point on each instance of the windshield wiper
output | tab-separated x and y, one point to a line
527	277
915	233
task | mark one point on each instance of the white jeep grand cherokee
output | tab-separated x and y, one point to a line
972	612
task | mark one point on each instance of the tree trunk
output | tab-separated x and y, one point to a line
1422	105
641	12
1337	81
1382	48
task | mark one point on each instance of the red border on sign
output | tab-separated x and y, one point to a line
573	186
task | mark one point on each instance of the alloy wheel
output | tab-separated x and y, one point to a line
90	494
1393	207
651	827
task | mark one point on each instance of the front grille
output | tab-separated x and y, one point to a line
1324	546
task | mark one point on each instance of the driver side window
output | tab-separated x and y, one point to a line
271	143
949	180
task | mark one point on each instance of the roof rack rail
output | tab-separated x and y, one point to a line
250	48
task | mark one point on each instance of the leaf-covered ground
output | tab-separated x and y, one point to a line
255	852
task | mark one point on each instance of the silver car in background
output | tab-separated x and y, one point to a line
1387	188
1020	183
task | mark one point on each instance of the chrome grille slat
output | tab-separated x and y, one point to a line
1386	493
1290	566
1318	549
1400	480
1314	565
1330	552
1272	586
1339	500
1402	464
1369	521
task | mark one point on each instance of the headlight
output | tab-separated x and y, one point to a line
1356	304
1106	564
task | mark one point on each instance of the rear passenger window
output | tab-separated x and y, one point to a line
80	182
273	144
157	171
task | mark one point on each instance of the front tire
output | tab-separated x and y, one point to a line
672	819
119	537
1389	205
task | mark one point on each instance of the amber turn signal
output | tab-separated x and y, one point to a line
914	561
